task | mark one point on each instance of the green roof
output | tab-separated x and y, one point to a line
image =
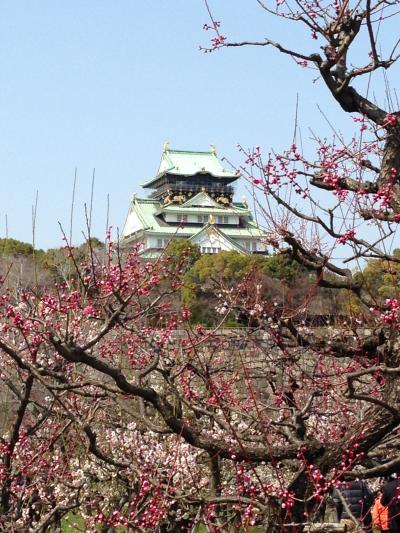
146	208
217	210
149	255
188	163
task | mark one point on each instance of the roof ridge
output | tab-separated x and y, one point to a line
191	152
148	200
141	216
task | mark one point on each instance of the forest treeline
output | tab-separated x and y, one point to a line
22	266
278	278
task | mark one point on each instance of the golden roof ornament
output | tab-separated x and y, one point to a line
211	219
165	146
213	149
223	200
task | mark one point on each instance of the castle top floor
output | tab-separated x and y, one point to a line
183	174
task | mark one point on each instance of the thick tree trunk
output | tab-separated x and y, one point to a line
389	177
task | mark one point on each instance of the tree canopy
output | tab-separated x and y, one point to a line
123	411
14	247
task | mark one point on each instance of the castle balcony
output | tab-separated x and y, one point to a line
181	187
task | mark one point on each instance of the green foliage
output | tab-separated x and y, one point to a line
228	268
381	277
15	247
72	523
58	260
281	266
182	253
26	267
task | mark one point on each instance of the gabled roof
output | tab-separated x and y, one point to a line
201	199
221	237
188	163
202	202
142	217
139	216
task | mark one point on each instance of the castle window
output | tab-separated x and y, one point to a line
163	243
223	219
210	249
182	218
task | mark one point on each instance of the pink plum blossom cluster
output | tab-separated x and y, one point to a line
390	316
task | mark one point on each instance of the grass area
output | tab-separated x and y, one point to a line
72	523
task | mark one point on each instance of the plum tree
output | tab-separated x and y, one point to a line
119	410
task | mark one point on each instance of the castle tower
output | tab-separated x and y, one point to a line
191	198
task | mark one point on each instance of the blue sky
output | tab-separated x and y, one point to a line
102	84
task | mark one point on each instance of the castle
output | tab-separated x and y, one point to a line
192	199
